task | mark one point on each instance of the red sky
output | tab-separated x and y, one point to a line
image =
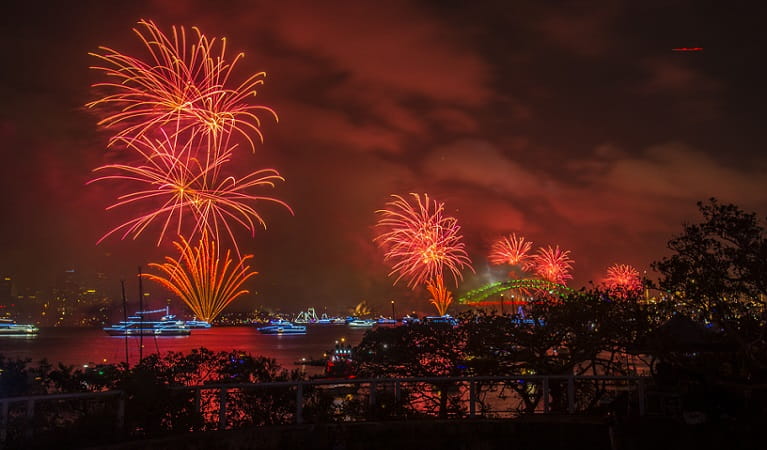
574	125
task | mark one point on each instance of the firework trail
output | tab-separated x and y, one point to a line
553	264
420	242
201	278
623	279
441	298
183	84
512	250
171	186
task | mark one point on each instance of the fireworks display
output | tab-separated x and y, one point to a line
622	278
512	250
420	242
174	188
174	114
441	298
186	85
201	278
553	264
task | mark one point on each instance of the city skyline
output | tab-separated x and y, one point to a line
576	126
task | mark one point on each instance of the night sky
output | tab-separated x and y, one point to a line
575	125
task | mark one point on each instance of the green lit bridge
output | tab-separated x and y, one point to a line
491	293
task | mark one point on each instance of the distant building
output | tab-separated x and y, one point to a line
75	302
6	295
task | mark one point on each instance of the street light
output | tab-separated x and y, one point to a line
393	315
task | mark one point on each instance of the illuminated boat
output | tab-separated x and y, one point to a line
325	320
282	327
138	325
9	327
362	323
194	323
409	320
442	320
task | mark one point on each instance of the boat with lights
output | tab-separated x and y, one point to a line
442	320
194	323
9	327
280	326
362	323
139	325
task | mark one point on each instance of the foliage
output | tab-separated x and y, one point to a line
584	333
717	275
718	271
154	388
156	401
417	350
20	377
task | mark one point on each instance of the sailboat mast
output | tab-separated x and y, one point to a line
141	317
125	320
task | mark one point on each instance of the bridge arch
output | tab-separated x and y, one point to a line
490	294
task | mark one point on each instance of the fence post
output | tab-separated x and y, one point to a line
472	398
3	421
120	413
641	395
546	395
30	425
571	394
197	401
222	409
373	387
299	403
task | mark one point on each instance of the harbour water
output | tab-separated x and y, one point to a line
78	346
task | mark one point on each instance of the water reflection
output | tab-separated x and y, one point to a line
75	346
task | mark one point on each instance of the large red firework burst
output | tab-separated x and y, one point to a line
623	278
421	243
176	113
553	264
184	84
174	188
512	250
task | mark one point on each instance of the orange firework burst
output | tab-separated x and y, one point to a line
420	242
202	279
441	298
553	264
175	188
512	250
187	85
622	278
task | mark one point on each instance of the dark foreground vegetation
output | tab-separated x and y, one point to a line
699	334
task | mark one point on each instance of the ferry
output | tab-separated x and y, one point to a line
386	321
9	327
325	320
281	326
362	323
194	323
138	325
447	319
